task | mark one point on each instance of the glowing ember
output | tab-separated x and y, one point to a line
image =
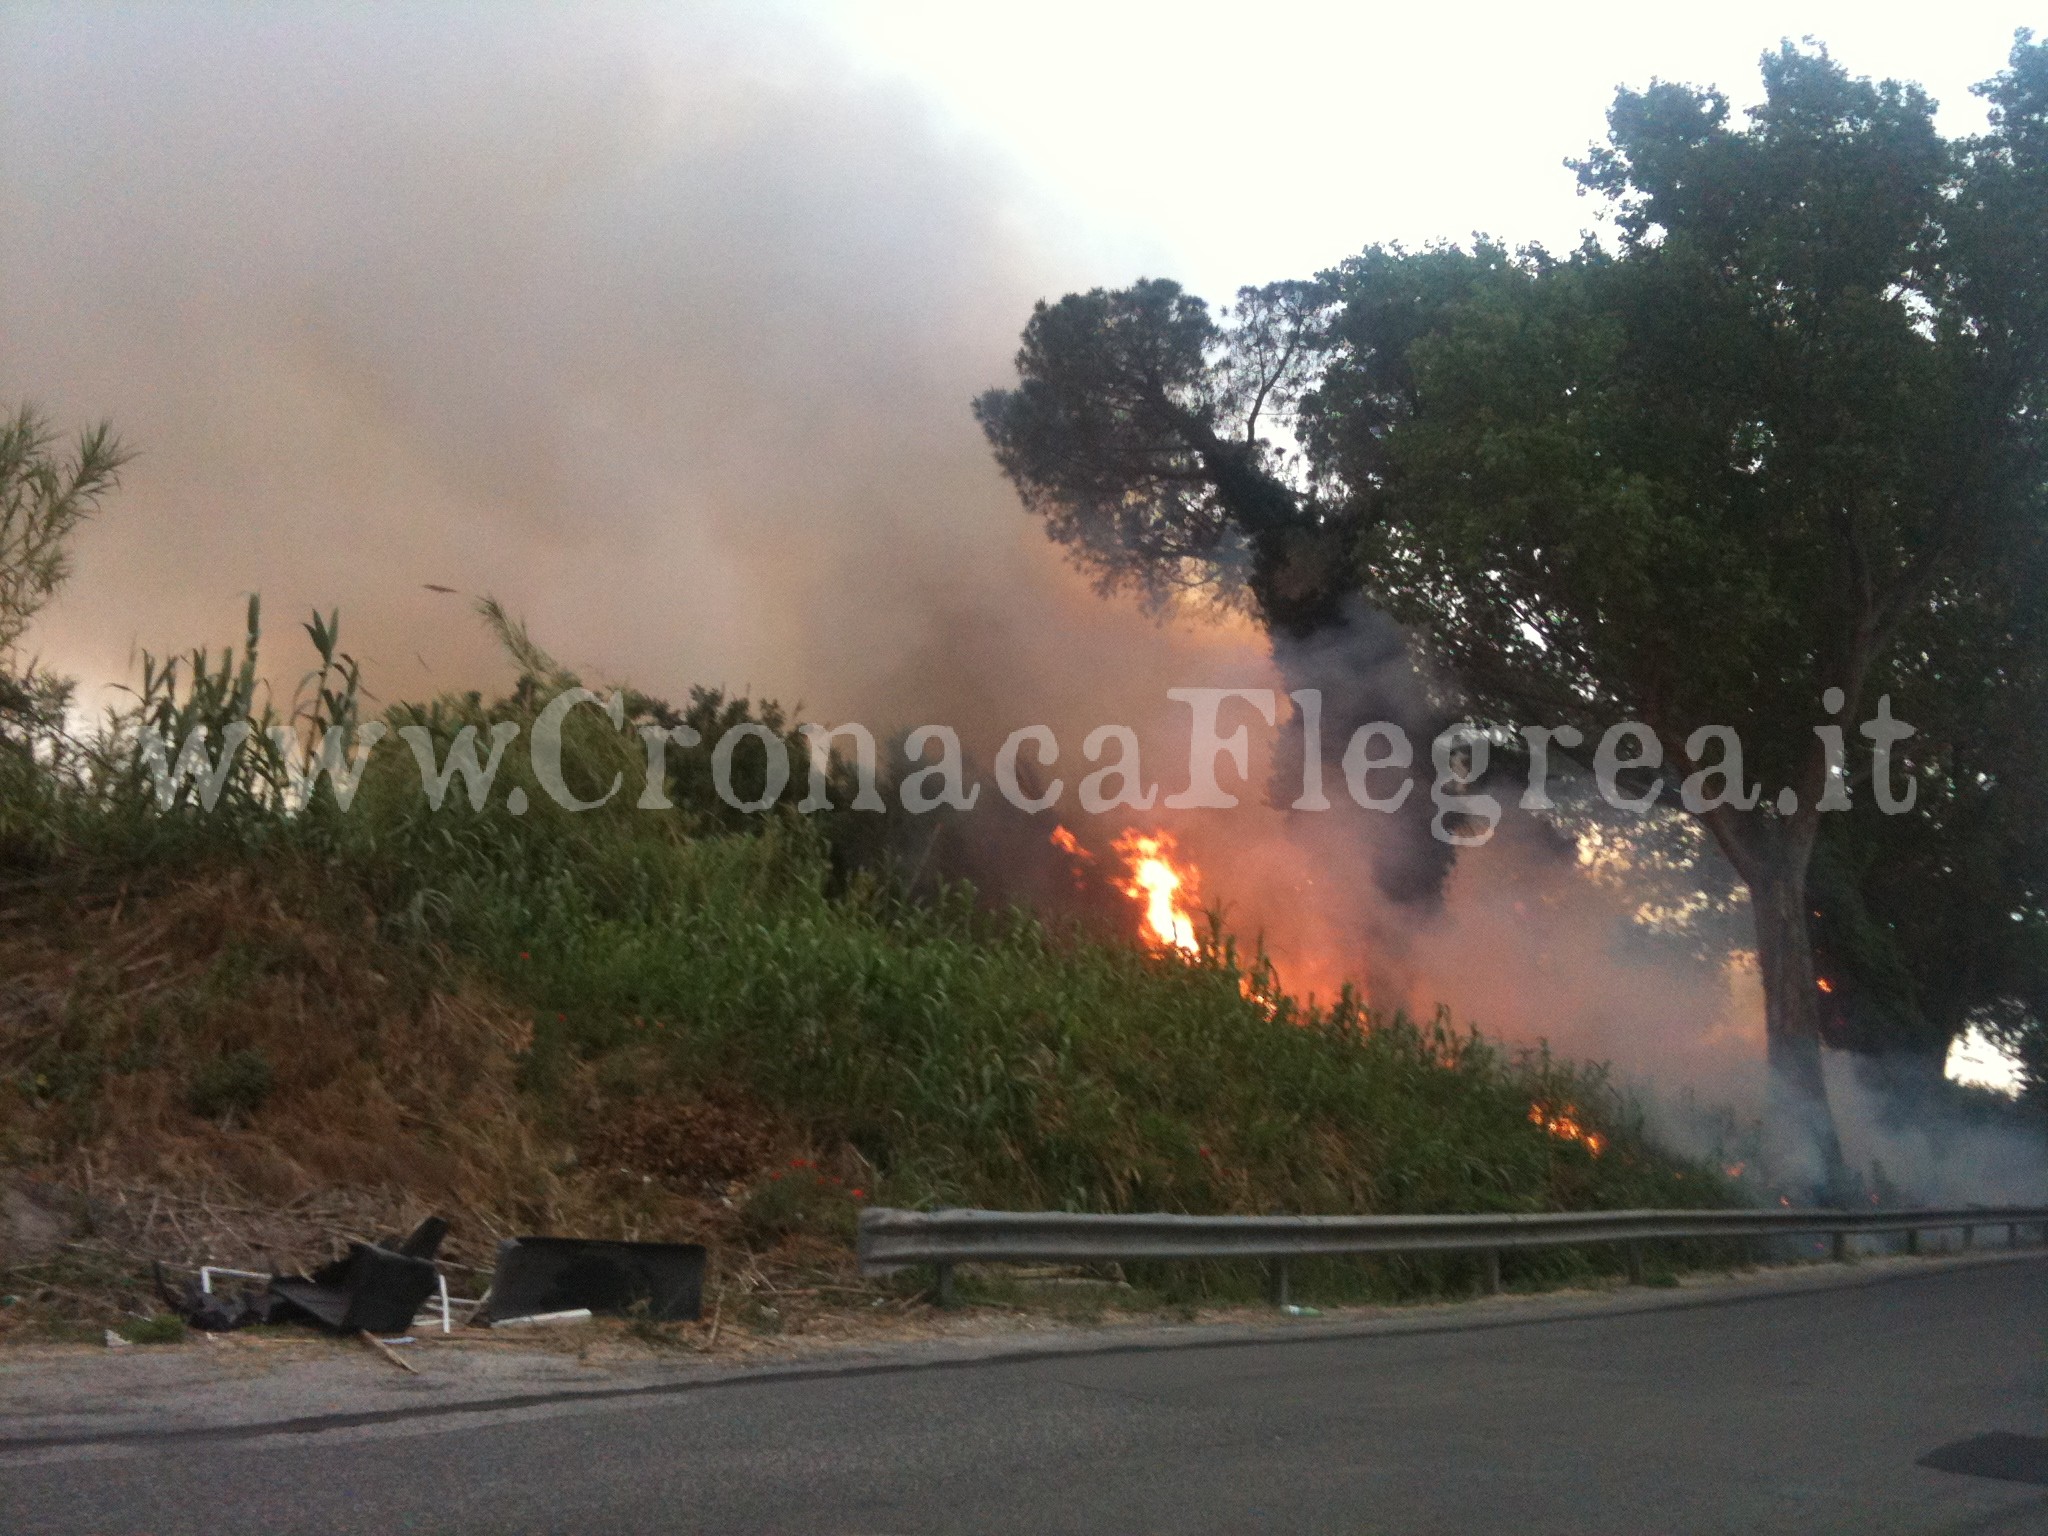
1563	1123
1158	883
1068	844
1825	985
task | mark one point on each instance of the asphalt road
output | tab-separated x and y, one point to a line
1793	1413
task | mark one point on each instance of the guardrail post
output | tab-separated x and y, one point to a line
1276	1282
2012	1235
1492	1258
1841	1247
1912	1239
1969	1237
942	1285
1635	1263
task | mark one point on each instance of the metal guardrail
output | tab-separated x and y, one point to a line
895	1239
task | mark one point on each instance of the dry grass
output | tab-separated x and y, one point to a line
390	1088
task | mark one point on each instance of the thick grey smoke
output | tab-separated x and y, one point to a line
660	328
1362	672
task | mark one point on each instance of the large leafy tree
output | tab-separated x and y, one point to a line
1137	429
1706	474
1928	923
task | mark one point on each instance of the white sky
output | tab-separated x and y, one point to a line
1225	145
1977	1061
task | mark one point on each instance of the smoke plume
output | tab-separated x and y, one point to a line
659	328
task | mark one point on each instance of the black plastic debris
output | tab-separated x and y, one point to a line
370	1290
372	1287
218	1312
425	1241
561	1274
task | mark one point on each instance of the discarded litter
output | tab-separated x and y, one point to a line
426	1238
1294	1311
376	1289
538	1319
115	1341
210	1311
370	1289
538	1275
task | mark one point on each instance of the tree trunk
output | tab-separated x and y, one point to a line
1772	858
1784	950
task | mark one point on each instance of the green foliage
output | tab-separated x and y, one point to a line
1930	922
1135	432
986	1060
1702	478
161	1329
798	1198
44	496
186	708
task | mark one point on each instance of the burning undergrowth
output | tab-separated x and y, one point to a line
685	1028
746	1062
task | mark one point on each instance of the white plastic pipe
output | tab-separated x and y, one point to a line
578	1315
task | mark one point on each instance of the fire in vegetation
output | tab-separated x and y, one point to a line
1165	886
1157	878
1563	1123
1159	884
1825	985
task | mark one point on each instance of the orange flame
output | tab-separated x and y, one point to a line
1158	883
1068	844
1825	985
1563	1123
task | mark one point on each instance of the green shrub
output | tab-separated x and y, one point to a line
161	1329
798	1198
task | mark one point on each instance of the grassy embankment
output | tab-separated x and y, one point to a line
240	1030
